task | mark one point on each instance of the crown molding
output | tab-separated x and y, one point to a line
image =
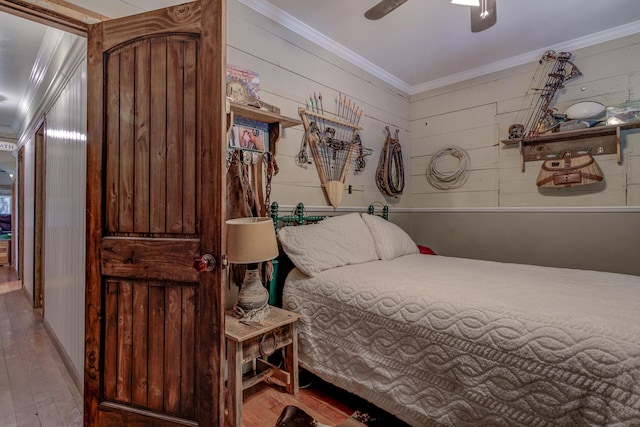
290	22
294	24
600	37
581	42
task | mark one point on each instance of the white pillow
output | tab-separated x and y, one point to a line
391	240
333	242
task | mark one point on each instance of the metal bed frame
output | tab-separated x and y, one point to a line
299	216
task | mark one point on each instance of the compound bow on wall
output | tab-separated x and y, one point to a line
557	69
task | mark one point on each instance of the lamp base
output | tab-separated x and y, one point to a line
253	298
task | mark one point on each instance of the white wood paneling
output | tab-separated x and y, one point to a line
632	161
292	68
64	274
631	142
475	115
478	180
483	158
633	195
478	116
478	137
29	159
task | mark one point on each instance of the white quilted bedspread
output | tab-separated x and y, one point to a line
440	340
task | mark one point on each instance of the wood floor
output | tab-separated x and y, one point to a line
262	404
9	280
37	390
35	386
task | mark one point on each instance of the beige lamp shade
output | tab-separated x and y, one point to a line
251	240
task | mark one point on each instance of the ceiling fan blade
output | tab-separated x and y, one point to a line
483	16
382	9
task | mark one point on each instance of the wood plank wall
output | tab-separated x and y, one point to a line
474	115
475	221
291	68
477	113
28	237
64	250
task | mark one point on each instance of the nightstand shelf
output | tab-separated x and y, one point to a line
248	341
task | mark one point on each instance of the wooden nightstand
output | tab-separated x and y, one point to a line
247	341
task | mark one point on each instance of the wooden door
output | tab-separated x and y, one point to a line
155	203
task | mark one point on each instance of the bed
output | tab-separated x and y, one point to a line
437	340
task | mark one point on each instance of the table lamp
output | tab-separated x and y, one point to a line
251	241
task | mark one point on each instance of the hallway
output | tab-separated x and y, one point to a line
35	387
9	280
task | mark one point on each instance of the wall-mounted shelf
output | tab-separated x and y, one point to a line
275	121
596	140
264	116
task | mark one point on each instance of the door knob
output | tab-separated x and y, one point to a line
205	263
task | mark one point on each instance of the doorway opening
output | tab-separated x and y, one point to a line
43	124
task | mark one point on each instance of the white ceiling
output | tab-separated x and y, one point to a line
20	42
428	43
425	44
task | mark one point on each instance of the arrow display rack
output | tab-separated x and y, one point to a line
332	139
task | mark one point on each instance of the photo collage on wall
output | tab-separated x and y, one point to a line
247	134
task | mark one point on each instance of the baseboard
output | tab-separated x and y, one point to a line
27	294
63	355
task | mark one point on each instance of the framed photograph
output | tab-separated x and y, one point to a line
249	134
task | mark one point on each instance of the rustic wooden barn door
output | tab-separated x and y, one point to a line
155	203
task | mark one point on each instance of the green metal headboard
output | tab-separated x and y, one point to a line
299	217
282	264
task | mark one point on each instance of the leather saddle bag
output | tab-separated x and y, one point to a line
569	171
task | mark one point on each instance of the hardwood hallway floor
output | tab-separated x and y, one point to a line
35	386
9	279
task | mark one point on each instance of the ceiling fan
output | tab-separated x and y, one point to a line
483	12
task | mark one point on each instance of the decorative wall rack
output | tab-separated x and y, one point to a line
596	140
257	160
332	142
275	121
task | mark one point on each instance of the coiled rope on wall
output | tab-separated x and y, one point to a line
390	171
447	181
